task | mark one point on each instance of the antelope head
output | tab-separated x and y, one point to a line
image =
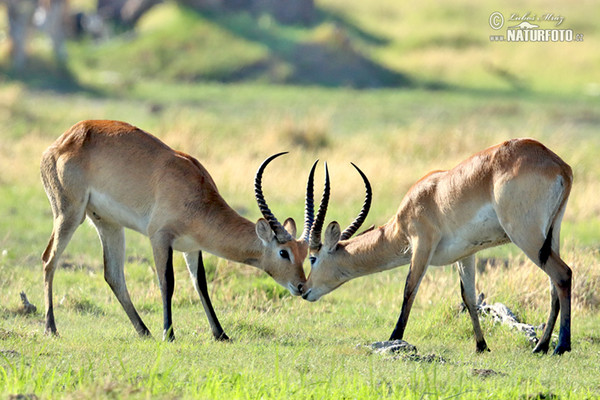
283	255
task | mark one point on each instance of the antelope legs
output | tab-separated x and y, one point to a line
542	254
113	247
68	215
163	259
466	270
418	266
198	275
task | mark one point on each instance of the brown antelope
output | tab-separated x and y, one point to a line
122	177
515	192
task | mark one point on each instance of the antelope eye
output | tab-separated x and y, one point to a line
284	254
313	260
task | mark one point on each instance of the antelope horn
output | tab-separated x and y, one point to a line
309	208
281	234
314	241
353	227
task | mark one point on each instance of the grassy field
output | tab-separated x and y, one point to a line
461	100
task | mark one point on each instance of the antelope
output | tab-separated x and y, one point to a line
119	176
515	192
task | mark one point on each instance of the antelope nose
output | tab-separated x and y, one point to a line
300	287
305	295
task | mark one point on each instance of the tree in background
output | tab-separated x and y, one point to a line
54	18
48	15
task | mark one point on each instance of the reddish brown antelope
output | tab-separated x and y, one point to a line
122	177
515	192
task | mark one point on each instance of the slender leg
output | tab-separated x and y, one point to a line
60	237
163	258
197	273
529	226
466	270
113	246
66	222
560	275
422	251
544	344
167	315
68	202
556	302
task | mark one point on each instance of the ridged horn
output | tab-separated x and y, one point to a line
353	227
314	241
280	232
309	207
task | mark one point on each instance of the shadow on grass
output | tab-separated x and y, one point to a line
42	74
330	58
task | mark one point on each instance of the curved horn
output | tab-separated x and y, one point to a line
314	241
353	227
309	208
280	232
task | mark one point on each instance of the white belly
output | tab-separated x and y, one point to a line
481	232
103	207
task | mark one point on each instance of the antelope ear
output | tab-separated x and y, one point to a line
264	231
290	226
332	236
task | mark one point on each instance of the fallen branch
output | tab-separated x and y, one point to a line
392	346
502	314
400	349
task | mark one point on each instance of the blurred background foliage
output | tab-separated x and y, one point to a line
113	44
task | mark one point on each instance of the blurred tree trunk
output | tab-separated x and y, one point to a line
20	14
54	25
50	17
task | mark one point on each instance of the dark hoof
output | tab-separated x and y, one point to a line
169	336
560	349
541	348
145	334
223	338
482	348
51	332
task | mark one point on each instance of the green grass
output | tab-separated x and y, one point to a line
284	347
